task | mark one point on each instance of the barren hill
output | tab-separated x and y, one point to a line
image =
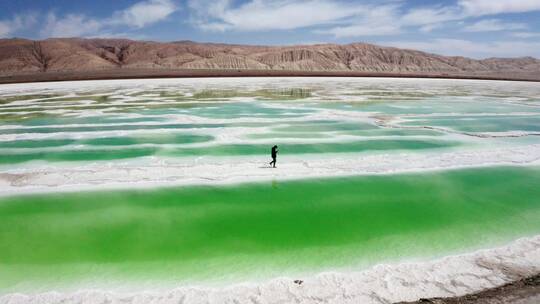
120	56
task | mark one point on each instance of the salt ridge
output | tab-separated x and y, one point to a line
155	171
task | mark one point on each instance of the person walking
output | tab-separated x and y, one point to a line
274	156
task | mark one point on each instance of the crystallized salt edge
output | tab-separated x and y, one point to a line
386	283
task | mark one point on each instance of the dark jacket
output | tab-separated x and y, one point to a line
274	152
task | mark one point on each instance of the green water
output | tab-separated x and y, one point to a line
108	128
110	141
261	229
217	150
483	124
115	123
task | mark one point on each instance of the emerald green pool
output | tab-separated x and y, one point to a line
261	229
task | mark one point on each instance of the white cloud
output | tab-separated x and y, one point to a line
144	13
70	26
493	25
258	15
374	21
493	7
17	23
345	19
430	16
459	47
336	18
139	15
525	34
5	29
362	30
430	27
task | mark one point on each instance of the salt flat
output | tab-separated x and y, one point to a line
385	189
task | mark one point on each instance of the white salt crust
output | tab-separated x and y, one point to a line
154	171
385	283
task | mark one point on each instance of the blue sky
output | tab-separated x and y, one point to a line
474	28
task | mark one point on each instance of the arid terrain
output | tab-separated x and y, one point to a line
525	291
73	58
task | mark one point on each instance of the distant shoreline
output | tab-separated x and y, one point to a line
214	73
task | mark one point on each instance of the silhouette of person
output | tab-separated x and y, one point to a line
274	155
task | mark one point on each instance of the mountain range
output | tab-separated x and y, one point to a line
23	57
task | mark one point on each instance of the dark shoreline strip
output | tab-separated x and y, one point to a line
204	73
522	291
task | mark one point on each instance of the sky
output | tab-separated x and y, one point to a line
472	28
